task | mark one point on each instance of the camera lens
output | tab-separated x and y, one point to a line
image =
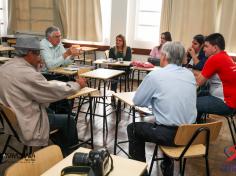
80	159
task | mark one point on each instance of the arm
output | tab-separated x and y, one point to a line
200	79
144	93
43	91
54	58
112	53
200	61
128	55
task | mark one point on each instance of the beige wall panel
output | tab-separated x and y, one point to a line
23	26
40	27
42	14
42	3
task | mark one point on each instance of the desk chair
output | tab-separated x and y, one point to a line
10	118
192	140
232	127
37	164
96	96
230	119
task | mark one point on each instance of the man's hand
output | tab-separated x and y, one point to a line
82	82
74	51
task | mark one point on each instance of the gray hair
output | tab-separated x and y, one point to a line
174	52
21	52
50	30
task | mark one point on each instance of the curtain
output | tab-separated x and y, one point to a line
30	16
11	28
60	16
227	24
166	15
186	18
84	21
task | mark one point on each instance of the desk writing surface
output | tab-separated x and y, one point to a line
63	71
81	92
126	97
145	69
102	73
117	63
122	166
86	48
6	48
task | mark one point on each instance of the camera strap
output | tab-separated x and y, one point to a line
77	170
111	167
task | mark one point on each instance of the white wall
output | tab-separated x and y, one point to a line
118	19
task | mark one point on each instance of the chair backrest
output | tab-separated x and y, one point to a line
185	132
10	118
106	54
37	164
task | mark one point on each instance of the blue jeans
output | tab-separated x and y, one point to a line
62	138
212	105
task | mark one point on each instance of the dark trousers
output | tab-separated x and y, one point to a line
62	138
115	81
211	105
148	132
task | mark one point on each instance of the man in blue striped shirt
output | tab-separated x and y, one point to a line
171	91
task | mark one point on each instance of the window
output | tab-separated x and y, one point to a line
143	26
3	17
106	20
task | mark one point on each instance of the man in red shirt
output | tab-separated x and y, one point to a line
220	65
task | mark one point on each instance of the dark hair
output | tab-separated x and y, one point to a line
216	39
199	38
167	36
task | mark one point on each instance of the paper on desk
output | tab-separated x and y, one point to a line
71	68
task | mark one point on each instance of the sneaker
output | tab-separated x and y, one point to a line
167	169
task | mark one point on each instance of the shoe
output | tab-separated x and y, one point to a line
167	169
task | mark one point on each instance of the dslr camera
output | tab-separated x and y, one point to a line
96	159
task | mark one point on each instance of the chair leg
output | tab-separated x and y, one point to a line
6	144
185	160
231	120
207	166
153	159
180	167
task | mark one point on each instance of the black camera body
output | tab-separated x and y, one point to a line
96	159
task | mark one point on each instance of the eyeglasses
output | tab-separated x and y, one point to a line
56	36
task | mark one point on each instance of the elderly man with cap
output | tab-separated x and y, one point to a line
28	93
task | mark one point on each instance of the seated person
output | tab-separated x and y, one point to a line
222	65
195	55
155	53
28	93
119	51
54	55
171	91
53	52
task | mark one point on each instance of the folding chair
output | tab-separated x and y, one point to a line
37	164
192	140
